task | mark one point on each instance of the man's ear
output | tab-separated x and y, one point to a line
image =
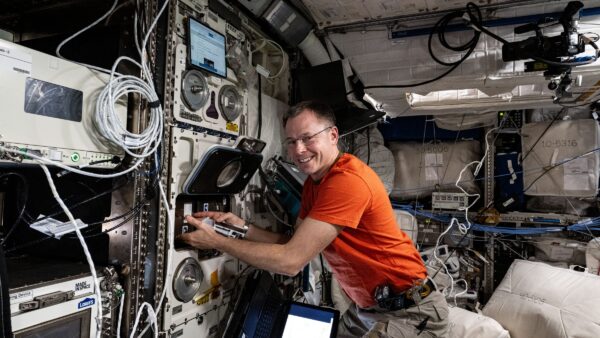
335	134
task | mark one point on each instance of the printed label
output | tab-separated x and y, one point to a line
14	60
86	302
22	296
82	286
559	253
232	127
433	161
577	175
559	143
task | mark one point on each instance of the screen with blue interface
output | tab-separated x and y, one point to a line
304	321
206	48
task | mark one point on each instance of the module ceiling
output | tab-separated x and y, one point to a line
30	18
333	13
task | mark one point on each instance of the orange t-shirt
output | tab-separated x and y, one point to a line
371	250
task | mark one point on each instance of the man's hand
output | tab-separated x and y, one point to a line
221	217
204	237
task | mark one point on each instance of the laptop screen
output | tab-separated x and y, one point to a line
261	312
304	320
325	83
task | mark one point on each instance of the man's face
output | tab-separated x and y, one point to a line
311	143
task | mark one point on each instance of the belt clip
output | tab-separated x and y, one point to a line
419	291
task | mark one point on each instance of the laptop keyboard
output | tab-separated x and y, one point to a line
267	318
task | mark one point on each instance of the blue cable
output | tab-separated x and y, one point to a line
592	224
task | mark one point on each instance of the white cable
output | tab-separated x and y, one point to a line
58	48
120	315
151	316
71	169
461	293
107	119
462	228
283	56
437	244
86	251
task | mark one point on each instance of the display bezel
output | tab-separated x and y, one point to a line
84	318
212	71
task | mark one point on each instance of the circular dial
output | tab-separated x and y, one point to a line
230	102
194	89
187	280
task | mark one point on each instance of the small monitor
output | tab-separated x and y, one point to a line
324	83
73	325
206	48
305	320
327	83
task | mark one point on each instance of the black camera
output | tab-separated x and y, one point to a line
542	48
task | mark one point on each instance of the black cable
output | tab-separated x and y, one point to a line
88	230
28	244
440	29
368	145
23	204
136	209
5	323
558	165
542	134
597	38
259	106
475	20
325	280
235	294
80	203
129	218
562	104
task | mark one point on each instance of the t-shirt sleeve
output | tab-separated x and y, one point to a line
342	200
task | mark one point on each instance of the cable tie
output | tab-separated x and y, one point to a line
154	104
470	22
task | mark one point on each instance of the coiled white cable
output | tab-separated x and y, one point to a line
111	127
106	119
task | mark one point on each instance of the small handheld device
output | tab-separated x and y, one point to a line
227	230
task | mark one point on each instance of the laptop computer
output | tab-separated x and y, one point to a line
327	83
292	176
262	312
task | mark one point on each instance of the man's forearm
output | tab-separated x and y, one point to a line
267	256
257	234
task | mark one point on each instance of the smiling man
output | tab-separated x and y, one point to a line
346	214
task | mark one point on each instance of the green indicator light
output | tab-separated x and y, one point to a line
75	157
25	150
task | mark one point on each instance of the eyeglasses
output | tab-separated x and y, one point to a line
306	140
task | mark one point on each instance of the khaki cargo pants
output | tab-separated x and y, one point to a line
377	322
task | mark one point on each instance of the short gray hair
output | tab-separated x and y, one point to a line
322	110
